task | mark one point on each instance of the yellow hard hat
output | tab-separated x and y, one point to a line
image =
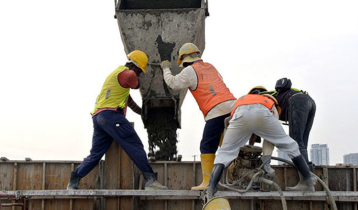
271	97
140	59
276	102
262	88
187	49
221	203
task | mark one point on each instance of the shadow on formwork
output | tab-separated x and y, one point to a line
117	184
160	28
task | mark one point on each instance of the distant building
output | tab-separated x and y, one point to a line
320	154
282	155
351	158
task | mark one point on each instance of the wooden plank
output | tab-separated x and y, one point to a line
29	176
194	172
14	181
340	196
43	183
355	185
6	176
71	200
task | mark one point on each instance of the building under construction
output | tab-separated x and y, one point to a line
159	28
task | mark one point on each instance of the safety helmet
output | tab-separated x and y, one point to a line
217	203
274	100
138	58
187	49
257	90
283	84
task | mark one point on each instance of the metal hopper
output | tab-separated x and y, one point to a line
160	28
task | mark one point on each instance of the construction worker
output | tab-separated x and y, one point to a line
298	111
109	122
254	114
213	97
267	147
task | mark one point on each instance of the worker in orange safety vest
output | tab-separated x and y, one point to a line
254	114
212	95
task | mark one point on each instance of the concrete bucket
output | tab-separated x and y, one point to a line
159	28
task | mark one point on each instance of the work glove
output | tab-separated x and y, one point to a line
165	64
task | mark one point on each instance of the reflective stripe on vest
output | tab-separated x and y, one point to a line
253	99
112	94
211	89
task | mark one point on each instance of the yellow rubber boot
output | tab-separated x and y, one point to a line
207	162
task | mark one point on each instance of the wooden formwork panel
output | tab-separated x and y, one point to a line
118	172
118	169
340	180
346	206
169	204
65	204
180	176
29	176
37	205
292	205
119	203
237	204
6	176
57	176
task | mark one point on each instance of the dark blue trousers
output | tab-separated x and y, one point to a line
109	125
212	133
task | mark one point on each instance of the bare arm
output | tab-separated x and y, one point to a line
134	107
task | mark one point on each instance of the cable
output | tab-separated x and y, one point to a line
260	179
248	186
331	198
283	200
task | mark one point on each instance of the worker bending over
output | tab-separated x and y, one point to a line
267	147
298	111
109	122
253	114
213	97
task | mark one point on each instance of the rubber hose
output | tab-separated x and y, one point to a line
330	196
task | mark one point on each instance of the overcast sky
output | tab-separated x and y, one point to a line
55	56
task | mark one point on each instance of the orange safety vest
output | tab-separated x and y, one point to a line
253	99
211	89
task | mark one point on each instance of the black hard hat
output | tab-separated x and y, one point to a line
283	84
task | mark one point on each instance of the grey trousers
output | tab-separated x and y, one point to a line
257	119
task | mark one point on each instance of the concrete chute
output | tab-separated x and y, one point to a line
160	28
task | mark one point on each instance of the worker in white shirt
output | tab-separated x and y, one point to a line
213	97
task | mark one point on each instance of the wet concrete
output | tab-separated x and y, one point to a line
165	49
162	135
